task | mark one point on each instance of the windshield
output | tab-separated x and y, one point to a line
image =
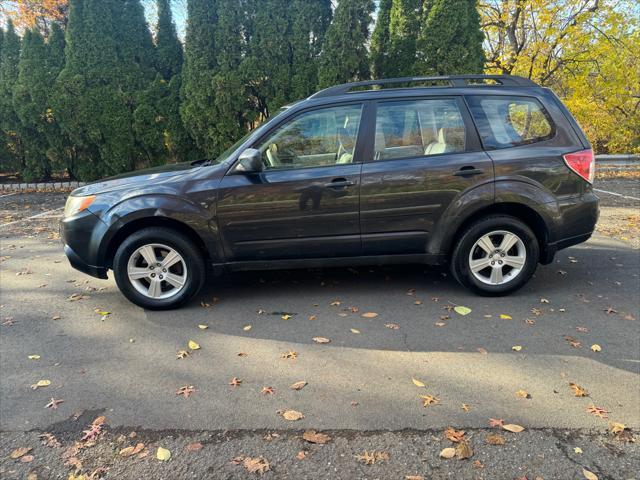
227	153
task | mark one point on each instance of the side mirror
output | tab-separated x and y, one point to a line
249	161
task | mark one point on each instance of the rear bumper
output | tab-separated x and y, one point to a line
577	223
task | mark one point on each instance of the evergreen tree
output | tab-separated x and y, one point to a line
380	41
89	101
9	123
451	40
169	50
344	56
30	98
404	28
4	153
267	66
311	18
157	123
198	101
60	149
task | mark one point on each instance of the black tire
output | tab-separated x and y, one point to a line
460	260
193	258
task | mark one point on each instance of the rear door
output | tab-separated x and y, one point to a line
425	155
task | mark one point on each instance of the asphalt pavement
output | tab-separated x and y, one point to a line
390	331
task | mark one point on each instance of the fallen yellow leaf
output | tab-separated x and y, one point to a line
203	327
355	330
417	383
577	450
246	328
163	454
516	348
505	317
41	383
370	315
460	310
34	357
589	475
193	345
286	317
596	348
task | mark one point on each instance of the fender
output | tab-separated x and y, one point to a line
166	205
498	196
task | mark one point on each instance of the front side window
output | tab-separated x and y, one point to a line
317	138
415	128
510	121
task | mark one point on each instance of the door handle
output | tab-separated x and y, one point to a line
339	183
468	172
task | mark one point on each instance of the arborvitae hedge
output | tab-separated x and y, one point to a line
106	96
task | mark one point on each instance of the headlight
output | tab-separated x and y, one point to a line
77	204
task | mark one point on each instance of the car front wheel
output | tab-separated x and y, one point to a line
158	268
495	256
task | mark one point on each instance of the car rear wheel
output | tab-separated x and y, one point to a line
495	255
158	268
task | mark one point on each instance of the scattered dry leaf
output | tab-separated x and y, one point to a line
182	354
267	391
495	439
513	428
578	391
596	348
504	316
428	400
194	447
193	345
312	436
369	458
186	391
40	384
523	394
418	383
298	385
516	348
53	404
463	450
290	354
597	411
496	422
246	328
354	330
258	465
370	315
321	340
292	415
453	434
448	452
392	326
19	452
235	382
589	475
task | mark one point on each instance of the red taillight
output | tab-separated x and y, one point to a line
583	163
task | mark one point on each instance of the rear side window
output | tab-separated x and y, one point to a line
416	128
510	121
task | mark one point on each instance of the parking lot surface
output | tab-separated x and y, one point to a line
389	365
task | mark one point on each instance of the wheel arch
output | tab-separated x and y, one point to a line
532	218
124	231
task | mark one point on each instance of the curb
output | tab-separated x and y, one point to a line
41	186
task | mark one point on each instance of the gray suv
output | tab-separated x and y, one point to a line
490	174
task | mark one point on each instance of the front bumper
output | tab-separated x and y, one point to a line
81	235
79	264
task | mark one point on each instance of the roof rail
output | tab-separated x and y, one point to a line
443	81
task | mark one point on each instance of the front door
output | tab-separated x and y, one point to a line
426	155
305	204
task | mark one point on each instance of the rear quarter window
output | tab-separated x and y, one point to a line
505	122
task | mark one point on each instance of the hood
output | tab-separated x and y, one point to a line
143	177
